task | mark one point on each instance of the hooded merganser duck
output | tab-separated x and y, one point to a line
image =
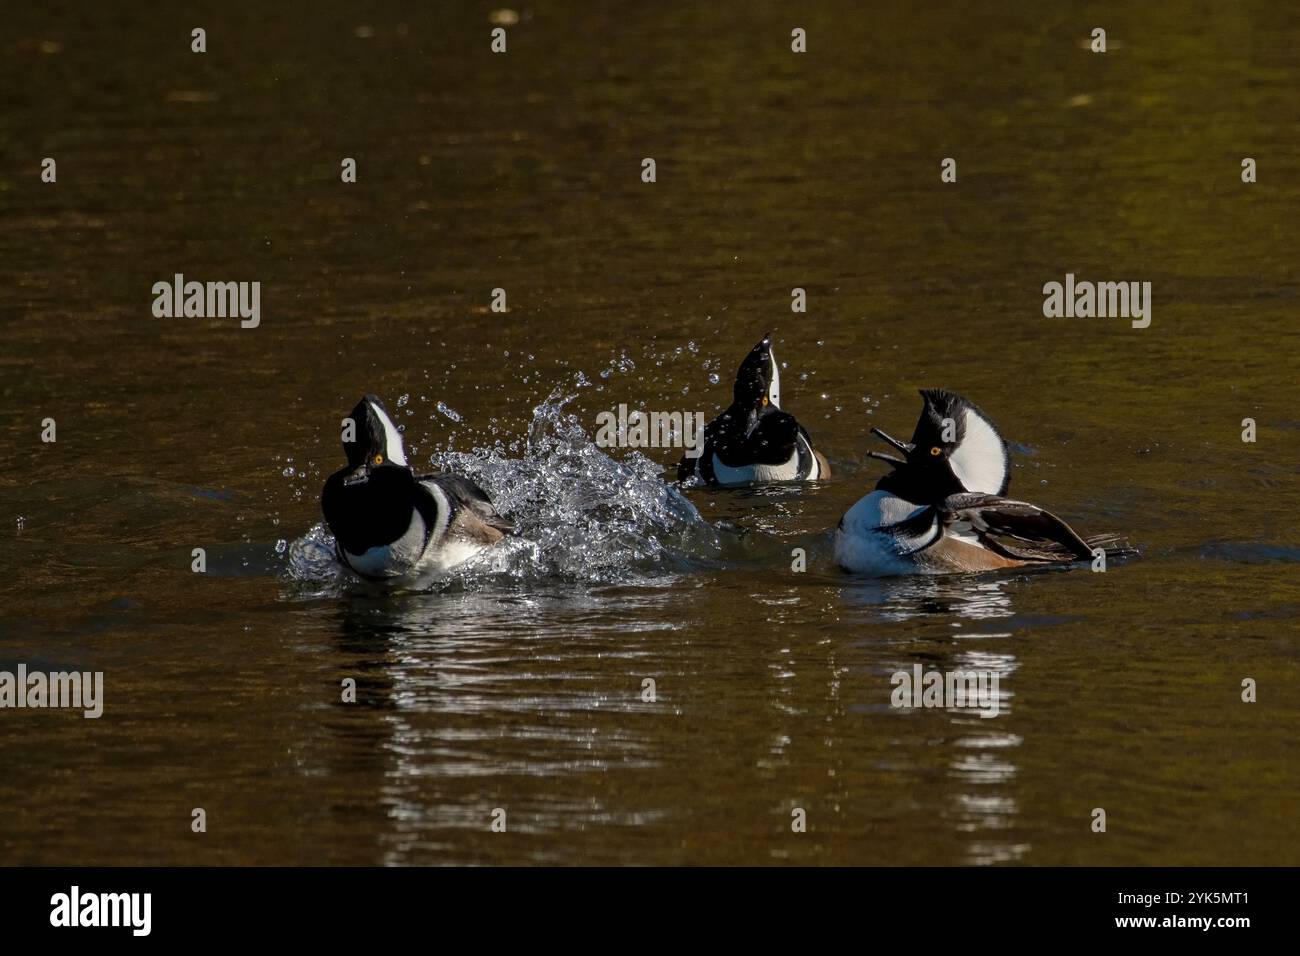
753	440
389	523
941	510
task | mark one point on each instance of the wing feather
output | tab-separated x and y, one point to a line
1015	529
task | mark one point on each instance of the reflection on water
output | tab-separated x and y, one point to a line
461	717
901	599
520	682
983	762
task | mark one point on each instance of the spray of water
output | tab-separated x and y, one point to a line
579	514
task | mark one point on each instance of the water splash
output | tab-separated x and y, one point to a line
579	514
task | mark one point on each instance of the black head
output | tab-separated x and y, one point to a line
758	380
370	439
955	448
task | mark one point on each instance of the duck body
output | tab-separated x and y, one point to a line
943	511
390	524
774	448
754	441
875	537
397	524
884	535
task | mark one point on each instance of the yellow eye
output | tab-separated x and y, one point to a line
764	400
379	459
936	450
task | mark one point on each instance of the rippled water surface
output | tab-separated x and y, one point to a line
518	682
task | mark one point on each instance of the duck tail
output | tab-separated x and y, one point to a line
1115	545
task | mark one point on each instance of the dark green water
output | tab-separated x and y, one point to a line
520	688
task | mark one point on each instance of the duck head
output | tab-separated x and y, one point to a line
757	391
375	441
955	448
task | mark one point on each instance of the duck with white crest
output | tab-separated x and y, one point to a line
390	524
942	508
754	440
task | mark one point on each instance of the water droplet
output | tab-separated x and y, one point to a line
281	546
401	402
22	522
713	378
450	412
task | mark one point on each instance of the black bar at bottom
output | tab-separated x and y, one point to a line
585	907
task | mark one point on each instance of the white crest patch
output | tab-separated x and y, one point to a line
774	383
393	447
980	461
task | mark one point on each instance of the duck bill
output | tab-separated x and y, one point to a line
358	477
896	462
758	375
902	446
772	372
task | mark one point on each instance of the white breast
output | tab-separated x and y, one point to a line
748	473
867	543
392	560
